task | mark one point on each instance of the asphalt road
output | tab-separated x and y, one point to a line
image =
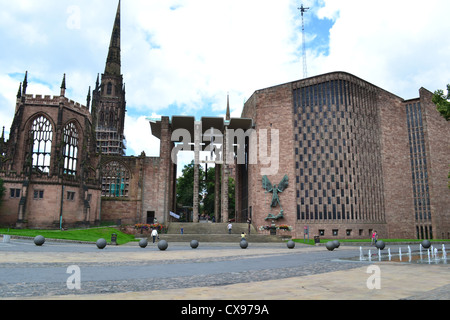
210	265
29	271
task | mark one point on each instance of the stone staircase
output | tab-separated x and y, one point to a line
214	232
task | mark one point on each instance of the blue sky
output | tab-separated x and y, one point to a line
184	56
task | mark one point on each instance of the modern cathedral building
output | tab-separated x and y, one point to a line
345	158
358	159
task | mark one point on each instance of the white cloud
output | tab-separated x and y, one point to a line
398	45
184	53
9	87
7	101
189	53
203	49
139	137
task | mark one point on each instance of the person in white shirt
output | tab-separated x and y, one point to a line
154	235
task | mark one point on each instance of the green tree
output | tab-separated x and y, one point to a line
208	200
442	102
185	185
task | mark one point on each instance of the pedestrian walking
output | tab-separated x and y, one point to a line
374	237
230	226
154	235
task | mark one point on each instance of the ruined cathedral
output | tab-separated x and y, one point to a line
351	158
64	163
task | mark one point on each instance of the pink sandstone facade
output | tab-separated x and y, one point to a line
358	159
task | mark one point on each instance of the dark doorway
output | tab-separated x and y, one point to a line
150	217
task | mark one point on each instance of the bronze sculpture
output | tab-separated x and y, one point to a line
275	189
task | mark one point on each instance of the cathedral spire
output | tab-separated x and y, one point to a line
88	98
228	116
19	93
108	104
2	144
63	85
113	61
97	83
25	84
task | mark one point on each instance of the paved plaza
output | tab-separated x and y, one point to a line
213	271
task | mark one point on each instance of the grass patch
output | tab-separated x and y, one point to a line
90	235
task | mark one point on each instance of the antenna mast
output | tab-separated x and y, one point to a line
305	69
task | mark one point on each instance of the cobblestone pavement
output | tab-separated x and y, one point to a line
213	271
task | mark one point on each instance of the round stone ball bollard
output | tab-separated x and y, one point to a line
194	244
143	243
380	244
39	240
243	244
290	244
101	243
336	243
330	245
426	244
163	245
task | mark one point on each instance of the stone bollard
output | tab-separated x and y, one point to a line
380	244
336	243
330	245
291	244
194	244
101	243
39	240
426	244
143	243
163	245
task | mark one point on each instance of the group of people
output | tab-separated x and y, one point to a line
230	227
155	235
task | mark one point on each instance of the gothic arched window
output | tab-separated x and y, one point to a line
41	135
115	180
70	154
109	88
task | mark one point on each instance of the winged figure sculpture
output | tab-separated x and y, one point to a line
275	190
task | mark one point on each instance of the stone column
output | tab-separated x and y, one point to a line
162	213
217	192
197	141
225	174
238	191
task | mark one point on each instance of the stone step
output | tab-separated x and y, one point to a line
213	232
207	228
219	238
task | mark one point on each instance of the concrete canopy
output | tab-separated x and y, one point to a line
188	122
